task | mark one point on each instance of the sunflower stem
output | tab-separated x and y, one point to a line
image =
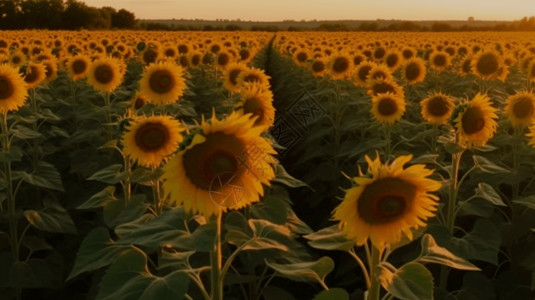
127	185
374	290
516	165
388	139
215	261
362	266
157	195
107	104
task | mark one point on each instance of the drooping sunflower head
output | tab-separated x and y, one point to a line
387	202
162	83
414	70
388	107
105	74
150	140
475	122
230	76
257	101
383	85
13	92
251	75
224	167
437	108
379	71
34	74
520	109
78	66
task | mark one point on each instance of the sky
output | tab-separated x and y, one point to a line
278	10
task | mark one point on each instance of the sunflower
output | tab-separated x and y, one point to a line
78	66
34	74
13	91
223	58
379	71
318	67
393	60
361	72
439	60
414	70
223	167
300	57
162	83
520	109
150	55
387	202
382	85
487	65
230	76
437	108
149	140
17	59
531	71
258	102
105	74
340	66
475	121
465	65
253	75
51	70
388	107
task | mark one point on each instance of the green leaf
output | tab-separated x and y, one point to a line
96	251
281	176
110	175
143	175
425	159
452	148
411	281
487	192
129	278
15	154
528	201
267	235
271	208
271	292
46	176
53	218
433	253
487	166
304	271
99	199
116	212
24	133
329	238
332	294
34	273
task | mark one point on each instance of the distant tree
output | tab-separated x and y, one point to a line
471	19
76	15
441	27
42	13
123	19
11	14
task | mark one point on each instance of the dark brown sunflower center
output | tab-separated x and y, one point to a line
439	60
169	52
161	81
473	120
385	200
182	49
254	107
378	74
357	60
79	66
407	54
412	71
217	158
466	66
382	87
251	78
387	107
6	88
31	75
139	103
233	76
151	137
363	72
523	108
16	59
149	56
379	53
244	54
318	66
223	59
301	57
103	74
392	60
340	65
437	106
487	64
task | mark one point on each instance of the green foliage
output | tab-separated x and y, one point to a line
411	281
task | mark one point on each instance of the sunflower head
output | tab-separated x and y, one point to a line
150	140
224	167
230	76
437	108
439	60
488	65
13	92
383	85
340	66
162	83
388	107
78	66
520	109
387	202
414	70
475	121
257	101
105	74
34	74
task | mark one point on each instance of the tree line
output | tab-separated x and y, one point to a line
62	14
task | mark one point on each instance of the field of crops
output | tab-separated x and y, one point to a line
226	165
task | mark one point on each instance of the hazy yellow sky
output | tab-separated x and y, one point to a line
276	10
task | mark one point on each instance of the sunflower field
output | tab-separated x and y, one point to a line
250	165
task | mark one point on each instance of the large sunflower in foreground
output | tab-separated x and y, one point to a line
149	140
437	108
223	167
105	74
13	91
387	202
475	122
162	83
520	109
